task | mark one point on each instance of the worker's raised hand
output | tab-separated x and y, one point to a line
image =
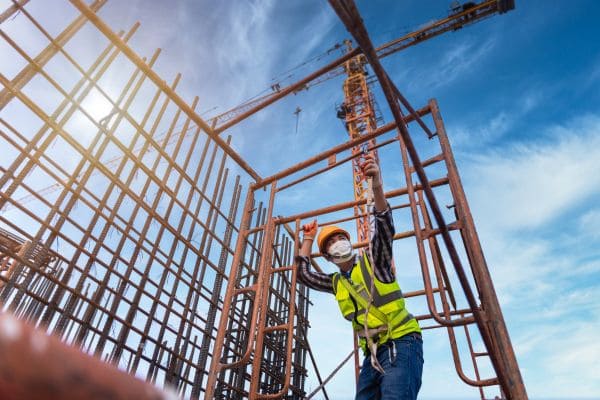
310	230
370	169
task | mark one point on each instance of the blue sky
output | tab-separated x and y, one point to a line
520	96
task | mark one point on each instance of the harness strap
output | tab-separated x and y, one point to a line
371	332
366	304
362	301
399	319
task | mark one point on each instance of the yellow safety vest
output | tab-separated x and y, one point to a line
387	309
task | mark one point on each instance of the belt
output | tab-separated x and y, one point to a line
388	343
416	335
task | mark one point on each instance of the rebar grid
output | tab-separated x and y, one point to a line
119	240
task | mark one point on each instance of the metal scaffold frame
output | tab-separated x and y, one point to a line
139	252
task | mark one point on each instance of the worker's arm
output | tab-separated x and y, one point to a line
371	170
312	279
383	234
309	233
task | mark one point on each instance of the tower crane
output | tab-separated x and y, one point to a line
459	16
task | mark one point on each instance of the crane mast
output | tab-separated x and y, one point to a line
359	113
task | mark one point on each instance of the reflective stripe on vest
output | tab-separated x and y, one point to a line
387	303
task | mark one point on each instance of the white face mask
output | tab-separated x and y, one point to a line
341	251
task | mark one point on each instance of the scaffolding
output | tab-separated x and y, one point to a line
139	235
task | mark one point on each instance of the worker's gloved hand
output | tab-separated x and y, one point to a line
370	169
310	230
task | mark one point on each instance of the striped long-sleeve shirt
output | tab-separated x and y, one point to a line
381	249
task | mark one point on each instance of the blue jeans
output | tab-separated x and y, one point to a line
402	361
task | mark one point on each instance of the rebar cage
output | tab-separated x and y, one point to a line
131	229
117	230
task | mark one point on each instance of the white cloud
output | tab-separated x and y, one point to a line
532	183
530	200
473	137
451	65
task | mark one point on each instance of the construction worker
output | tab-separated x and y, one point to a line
391	340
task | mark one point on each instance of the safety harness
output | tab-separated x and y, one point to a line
371	345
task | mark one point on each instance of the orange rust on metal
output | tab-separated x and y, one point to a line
122	273
10	11
452	22
334	150
113	37
349	204
496	340
30	70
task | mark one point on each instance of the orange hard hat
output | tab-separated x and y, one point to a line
326	233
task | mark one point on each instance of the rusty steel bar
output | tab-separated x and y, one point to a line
474	359
183	289
333	69
462	312
61	284
31	144
421	235
436	255
510	374
154	305
77	194
191	229
40	113
173	355
350	204
237	379
336	164
215	366
334	150
25	75
34	365
261	301
100	126
123	334
287	327
67	239
70	140
83	199
350	17
105	29
50	138
211	219
438	267
212	313
11	10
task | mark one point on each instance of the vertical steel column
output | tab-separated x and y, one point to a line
215	366
268	271
215	297
262	294
349	15
493	323
442	289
